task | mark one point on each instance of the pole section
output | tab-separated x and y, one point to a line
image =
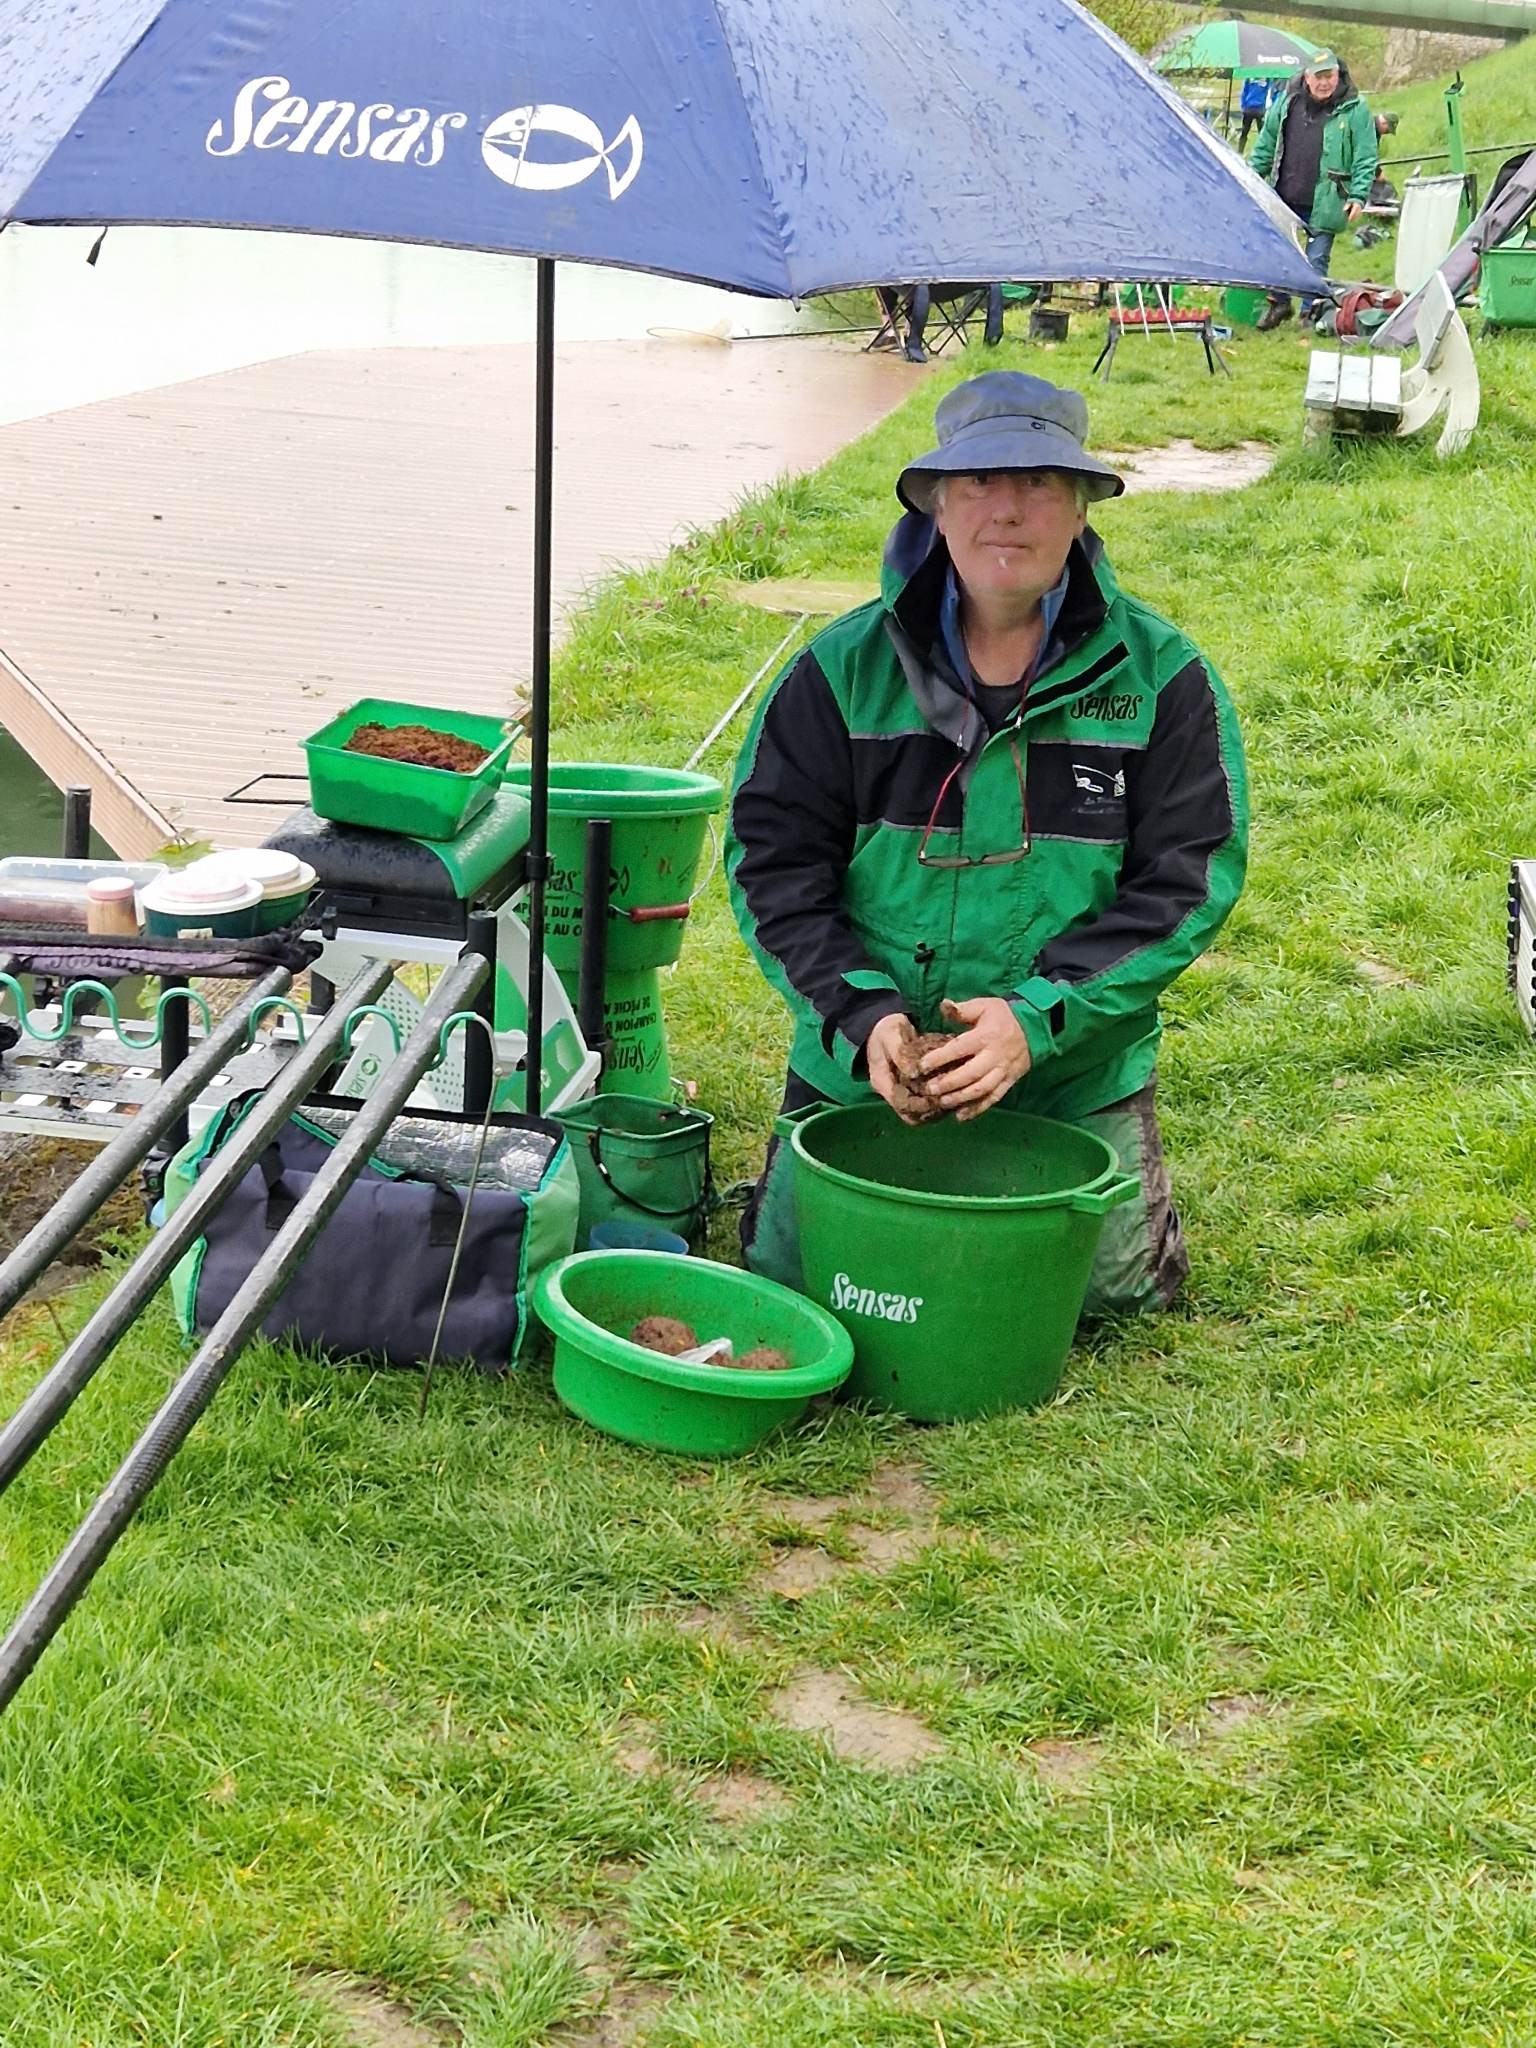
77	1364
117	1504
543	576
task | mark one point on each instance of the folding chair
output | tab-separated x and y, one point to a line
943	312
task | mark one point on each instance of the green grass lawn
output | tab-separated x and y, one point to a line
1214	1677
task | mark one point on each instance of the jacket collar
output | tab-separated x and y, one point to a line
917	563
912	587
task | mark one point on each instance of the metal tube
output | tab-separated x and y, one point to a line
119	1501
1440	156
538	778
479	1048
130	1148
590	988
77	1364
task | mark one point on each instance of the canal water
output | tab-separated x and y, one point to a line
31	809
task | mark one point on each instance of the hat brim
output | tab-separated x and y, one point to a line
996	444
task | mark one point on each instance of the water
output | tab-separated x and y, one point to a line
31	809
163	304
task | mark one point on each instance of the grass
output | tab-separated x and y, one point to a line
352	1695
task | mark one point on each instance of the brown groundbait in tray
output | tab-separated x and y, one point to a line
418	744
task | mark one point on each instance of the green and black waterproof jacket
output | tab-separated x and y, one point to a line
1350	152
1123	773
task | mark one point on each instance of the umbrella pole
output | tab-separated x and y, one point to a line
538	780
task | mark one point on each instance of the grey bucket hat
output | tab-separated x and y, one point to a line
1006	420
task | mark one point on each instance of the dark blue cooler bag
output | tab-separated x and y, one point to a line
372	1284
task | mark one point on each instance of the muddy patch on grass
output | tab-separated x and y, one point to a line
637	1755
740	1796
1379	974
823	1703
1181	466
1227	1715
718	1626
620	2008
729	1795
904	1490
812	1515
1067	1764
799	1572
36	1173
895	1493
368	2017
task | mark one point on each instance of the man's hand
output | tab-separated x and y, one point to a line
880	1050
981	1064
1353	209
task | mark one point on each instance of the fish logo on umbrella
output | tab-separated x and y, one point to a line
509	148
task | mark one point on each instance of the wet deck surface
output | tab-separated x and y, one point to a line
196	577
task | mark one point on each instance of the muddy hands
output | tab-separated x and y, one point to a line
896	1054
960	1072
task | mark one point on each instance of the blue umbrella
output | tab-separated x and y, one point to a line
782	147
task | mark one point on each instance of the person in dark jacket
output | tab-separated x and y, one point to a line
1253	103
1004	797
1318	148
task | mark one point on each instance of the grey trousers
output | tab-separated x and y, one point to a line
1141	1262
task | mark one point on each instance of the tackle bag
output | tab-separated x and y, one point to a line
372	1284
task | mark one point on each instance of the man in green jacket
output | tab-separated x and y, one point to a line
1004	797
1318	148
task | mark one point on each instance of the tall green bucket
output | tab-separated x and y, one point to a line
660	818
640	1160
955	1255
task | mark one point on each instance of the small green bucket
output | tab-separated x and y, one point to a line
641	1160
956	1255
1242	305
589	1302
660	819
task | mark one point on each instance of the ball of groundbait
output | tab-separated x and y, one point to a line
664	1334
913	1099
763	1359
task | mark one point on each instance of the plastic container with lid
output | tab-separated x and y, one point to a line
112	907
203	901
285	881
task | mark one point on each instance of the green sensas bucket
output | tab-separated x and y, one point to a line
956	1255
660	817
636	1058
589	1303
642	1160
1243	306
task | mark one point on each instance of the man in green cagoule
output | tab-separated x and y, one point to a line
1005	798
1318	147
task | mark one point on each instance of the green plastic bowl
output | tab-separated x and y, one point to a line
702	1411
403	796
